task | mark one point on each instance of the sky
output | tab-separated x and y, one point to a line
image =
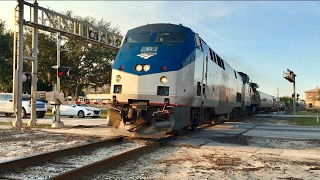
261	38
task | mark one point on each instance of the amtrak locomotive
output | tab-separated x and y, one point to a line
166	78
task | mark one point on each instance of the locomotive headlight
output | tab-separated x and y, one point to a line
118	78
146	67
138	68
163	79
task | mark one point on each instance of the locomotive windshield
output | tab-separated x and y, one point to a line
138	38
170	37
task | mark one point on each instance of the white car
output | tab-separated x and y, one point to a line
6	106
80	110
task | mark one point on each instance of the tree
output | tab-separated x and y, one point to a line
92	62
287	100
46	59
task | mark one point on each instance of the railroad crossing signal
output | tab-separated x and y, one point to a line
61	70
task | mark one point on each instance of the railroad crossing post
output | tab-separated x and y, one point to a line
291	77
294	98
34	74
18	64
56	118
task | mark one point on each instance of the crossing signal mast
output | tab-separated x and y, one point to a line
41	18
291	77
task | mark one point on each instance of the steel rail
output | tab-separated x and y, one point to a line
109	162
30	160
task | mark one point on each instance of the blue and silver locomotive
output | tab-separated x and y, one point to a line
166	78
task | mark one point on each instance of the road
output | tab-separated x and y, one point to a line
268	130
231	128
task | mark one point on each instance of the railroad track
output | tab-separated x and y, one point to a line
76	162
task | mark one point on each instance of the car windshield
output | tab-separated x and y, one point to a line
170	37
26	99
82	105
138	38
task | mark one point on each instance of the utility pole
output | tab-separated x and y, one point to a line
291	77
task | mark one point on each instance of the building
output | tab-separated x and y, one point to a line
100	98
312	98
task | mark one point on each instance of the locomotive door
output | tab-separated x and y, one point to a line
204	75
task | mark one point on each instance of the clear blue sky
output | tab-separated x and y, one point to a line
260	38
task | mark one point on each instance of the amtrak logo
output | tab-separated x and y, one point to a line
146	55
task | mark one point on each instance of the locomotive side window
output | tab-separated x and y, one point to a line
170	37
219	61
212	55
198	89
238	98
215	58
138	38
222	64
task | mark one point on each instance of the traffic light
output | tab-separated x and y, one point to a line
61	71
71	72
298	96
293	95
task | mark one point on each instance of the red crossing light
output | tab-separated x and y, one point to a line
61	71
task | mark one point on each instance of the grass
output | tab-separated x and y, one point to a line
305	121
104	113
9	123
6	123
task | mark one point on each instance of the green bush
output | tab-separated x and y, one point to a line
313	110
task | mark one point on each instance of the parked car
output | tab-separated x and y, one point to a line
6	106
80	110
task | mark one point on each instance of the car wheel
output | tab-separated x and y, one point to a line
8	114
23	113
40	115
81	114
70	116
